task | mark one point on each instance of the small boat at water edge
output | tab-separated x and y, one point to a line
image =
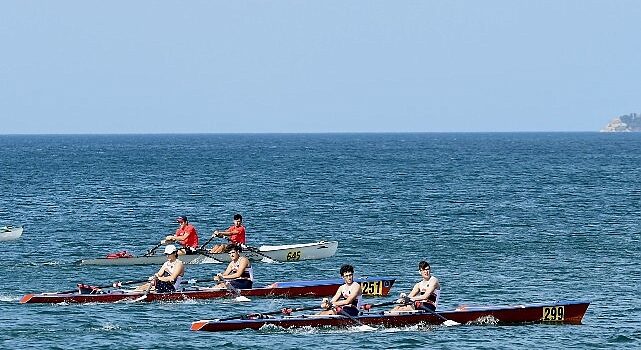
570	312
279	253
372	286
10	233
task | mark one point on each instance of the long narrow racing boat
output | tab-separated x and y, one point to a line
10	233
372	286
280	253
571	312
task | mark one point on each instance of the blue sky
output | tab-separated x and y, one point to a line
317	66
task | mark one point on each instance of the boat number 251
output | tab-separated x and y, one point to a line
293	255
372	288
553	313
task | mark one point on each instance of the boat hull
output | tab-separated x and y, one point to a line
283	253
8	233
372	286
570	312
150	260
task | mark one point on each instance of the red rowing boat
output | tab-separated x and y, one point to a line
372	286
571	312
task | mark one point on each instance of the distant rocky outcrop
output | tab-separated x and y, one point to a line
628	122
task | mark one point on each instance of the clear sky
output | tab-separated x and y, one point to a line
317	66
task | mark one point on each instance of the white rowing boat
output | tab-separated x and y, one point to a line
279	253
9	233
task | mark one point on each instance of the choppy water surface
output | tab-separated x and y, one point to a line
503	219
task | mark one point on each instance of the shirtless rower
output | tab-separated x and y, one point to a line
348	297
239	273
170	274
425	293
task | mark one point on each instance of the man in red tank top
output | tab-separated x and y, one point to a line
186	235
235	234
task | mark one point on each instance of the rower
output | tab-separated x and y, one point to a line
239	273
186	235
235	233
425	294
169	277
348	297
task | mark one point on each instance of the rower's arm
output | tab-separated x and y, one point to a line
415	290
178	270
337	296
431	287
160	272
226	272
224	233
178	238
354	291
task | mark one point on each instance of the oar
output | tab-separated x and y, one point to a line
367	307
194	280
113	285
208	241
236	292
144	296
446	322
204	252
152	250
265	258
360	324
285	311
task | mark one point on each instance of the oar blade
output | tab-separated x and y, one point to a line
365	328
269	261
450	323
242	299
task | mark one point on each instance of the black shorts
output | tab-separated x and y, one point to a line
165	287
350	310
423	305
189	250
241	283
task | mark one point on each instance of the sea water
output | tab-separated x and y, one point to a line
503	218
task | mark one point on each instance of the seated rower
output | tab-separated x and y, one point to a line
186	235
425	293
239	273
169	276
348	297
235	234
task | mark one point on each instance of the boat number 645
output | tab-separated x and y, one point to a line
293	255
553	313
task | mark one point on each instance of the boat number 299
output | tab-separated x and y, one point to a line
293	255
553	313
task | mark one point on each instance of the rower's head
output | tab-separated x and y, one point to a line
347	272
182	220
238	219
171	250
424	268
234	251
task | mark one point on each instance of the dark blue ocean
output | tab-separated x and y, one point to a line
504	218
